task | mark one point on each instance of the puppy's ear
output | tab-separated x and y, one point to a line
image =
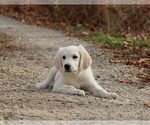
85	58
57	59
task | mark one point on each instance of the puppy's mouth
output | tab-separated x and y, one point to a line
70	71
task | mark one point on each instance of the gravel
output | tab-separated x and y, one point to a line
26	54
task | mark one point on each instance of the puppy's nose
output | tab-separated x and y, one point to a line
67	67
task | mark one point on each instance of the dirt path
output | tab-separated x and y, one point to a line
26	54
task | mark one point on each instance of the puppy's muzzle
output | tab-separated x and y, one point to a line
67	67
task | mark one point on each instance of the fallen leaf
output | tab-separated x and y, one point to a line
141	86
85	33
147	105
125	81
116	61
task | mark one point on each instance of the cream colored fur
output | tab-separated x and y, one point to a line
80	76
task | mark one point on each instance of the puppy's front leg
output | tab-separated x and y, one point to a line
67	89
100	92
48	80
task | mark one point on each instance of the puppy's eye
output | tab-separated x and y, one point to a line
75	57
64	57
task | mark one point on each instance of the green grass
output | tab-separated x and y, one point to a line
140	43
111	40
79	29
114	40
117	41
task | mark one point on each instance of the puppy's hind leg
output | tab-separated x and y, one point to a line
48	80
100	92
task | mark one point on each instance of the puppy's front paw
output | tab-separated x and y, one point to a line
80	92
113	95
41	85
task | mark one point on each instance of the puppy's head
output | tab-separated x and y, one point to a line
72	59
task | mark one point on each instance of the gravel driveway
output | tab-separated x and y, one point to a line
26	54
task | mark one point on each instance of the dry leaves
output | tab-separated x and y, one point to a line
139	57
147	105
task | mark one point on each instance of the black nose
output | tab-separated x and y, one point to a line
67	67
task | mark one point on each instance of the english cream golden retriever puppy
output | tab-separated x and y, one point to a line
72	74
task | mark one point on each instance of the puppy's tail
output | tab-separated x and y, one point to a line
49	79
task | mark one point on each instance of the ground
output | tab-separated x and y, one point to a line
26	54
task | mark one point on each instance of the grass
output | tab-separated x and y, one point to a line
140	43
78	30
119	41
109	39
113	40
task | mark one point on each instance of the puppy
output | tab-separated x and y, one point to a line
72	74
